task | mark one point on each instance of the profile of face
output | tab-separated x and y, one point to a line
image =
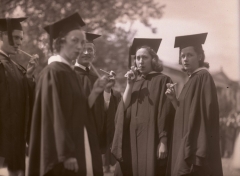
17	36
87	55
190	59
143	61
73	45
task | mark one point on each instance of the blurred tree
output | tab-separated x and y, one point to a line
101	16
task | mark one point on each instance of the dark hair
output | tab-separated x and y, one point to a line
157	64
199	50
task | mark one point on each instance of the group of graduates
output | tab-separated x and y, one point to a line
71	114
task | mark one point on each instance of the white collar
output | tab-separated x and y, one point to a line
5	54
58	58
197	70
81	66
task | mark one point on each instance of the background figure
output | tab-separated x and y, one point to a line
143	115
230	135
236	154
195	146
105	106
61	143
16	92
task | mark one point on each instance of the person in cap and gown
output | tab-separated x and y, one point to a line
195	145
105	106
63	141
144	115
16	92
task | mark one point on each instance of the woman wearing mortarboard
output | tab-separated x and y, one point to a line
60	142
144	115
16	93
195	145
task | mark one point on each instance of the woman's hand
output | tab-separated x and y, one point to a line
170	92
162	148
71	164
131	75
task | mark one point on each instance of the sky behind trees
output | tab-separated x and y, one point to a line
220	18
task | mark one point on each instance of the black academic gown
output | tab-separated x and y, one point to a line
15	109
110	113
101	118
196	128
59	116
140	128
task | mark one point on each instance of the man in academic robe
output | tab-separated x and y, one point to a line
105	106
195	145
16	92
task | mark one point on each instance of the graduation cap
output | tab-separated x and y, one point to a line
64	26
90	37
153	43
190	40
10	24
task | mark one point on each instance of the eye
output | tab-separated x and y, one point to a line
75	40
90	50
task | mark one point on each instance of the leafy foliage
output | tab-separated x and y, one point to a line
101	16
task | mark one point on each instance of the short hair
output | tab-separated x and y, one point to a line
199	50
60	40
157	64
3	33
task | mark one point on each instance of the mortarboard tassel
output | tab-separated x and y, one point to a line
9	30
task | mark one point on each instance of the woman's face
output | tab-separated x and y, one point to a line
143	61
73	45
190	59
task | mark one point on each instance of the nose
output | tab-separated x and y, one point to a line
18	42
141	60
184	58
79	46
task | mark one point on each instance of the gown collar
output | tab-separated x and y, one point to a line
81	66
58	58
197	70
5	54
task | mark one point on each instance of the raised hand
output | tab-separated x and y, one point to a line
131	75
32	64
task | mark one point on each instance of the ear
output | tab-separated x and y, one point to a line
94	56
200	57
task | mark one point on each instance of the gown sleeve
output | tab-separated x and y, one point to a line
49	136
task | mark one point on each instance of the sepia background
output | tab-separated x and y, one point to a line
119	21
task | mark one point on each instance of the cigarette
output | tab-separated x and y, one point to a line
95	70
172	85
105	71
25	53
